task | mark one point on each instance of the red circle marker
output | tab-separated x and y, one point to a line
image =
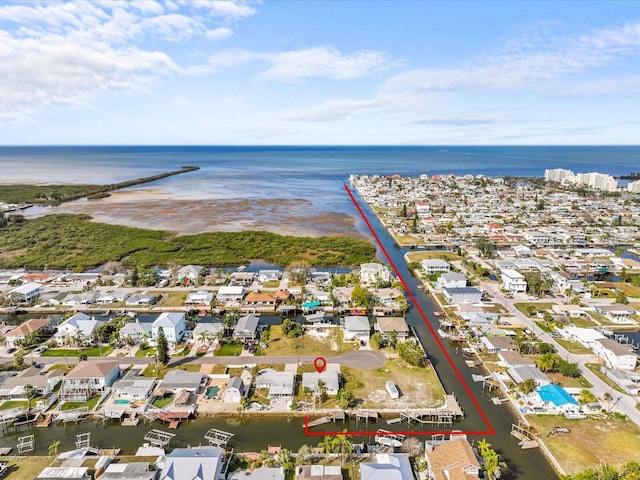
320	363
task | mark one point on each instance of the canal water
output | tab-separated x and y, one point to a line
257	433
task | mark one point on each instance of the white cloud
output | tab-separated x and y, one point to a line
148	7
173	27
219	33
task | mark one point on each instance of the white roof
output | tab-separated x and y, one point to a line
231	290
388	466
168	319
26	288
356	323
203	463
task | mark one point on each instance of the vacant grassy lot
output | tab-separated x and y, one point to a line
419	387
590	442
159	372
68	352
25	468
569	382
629	289
534	306
429	254
583	322
574	347
228	350
146	352
331	343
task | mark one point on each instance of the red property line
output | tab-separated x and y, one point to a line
490	430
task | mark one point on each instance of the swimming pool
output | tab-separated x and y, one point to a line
121	402
212	392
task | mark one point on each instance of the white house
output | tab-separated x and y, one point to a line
234	391
135	332
452	280
269	275
387	466
199	299
173	325
141	299
43	382
330	377
134	387
557	398
76	299
79	326
26	293
616	313
202	463
87	379
452	459
615	355
373	273
513	281
460	295
435	265
230	294
279	384
190	273
356	327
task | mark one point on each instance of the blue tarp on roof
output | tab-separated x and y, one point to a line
311	304
556	395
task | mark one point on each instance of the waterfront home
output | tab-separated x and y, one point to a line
176	380
230	295
202	463
134	387
78	299
462	295
571	311
435	265
269	276
213	330
319	278
627	380
260	473
617	313
557	399
356	327
134	332
387	296
521	373
330	378
279	384
246	328
129	471
43	382
173	325
511	358
374	274
200	299
241	278
25	294
497	344
66	473
141	299
88	379
189	274
513	281
33	326
318	472
452	280
586	336
235	390
388	466
387	326
111	297
450	460
77	329
259	299
615	355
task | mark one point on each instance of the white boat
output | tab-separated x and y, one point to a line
389	439
443	334
4	468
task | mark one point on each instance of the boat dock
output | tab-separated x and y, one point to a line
450	412
337	415
45	421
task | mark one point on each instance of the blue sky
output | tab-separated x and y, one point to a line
319	72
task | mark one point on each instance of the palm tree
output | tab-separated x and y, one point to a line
204	337
53	448
29	392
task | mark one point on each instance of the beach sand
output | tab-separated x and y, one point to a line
155	209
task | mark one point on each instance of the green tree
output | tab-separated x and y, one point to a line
491	460
53	448
548	362
586	397
621	297
344	398
486	246
411	353
291	328
162	350
362	297
18	359
528	386
377	339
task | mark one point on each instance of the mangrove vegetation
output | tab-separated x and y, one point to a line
75	242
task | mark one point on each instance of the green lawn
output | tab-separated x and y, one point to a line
68	352
97	351
536	306
574	347
228	350
9	404
91	403
163	401
544	327
62	366
332	344
429	254
147	352
595	368
150	371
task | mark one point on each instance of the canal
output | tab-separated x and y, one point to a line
257	433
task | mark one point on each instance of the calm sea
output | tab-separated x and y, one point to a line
316	174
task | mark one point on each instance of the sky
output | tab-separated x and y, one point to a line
320	72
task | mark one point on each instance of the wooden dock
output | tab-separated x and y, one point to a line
174	424
337	415
447	414
45	421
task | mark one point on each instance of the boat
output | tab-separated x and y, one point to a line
4	469
107	313
438	313
443	334
389	439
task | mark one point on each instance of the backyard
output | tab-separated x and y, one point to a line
328	342
590	442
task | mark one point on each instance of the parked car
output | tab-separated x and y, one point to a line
40	349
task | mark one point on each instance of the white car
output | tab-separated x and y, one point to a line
40	349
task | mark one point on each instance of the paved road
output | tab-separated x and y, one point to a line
620	402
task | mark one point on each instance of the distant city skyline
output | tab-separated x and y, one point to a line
319	73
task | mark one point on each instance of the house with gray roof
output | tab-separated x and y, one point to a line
247	327
261	473
173	325
235	390
460	295
318	472
141	299
356	327
330	377
520	373
176	380
88	379
43	381
279	384
79	326
388	466
135	332
435	265
129	471
134	387
202	463
387	325
452	280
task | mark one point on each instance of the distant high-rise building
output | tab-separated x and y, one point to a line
597	181
634	187
558	175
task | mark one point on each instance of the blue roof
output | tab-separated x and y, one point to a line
311	304
556	395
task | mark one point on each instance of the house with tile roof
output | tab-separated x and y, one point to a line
452	460
31	326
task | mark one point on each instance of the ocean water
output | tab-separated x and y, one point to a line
315	174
